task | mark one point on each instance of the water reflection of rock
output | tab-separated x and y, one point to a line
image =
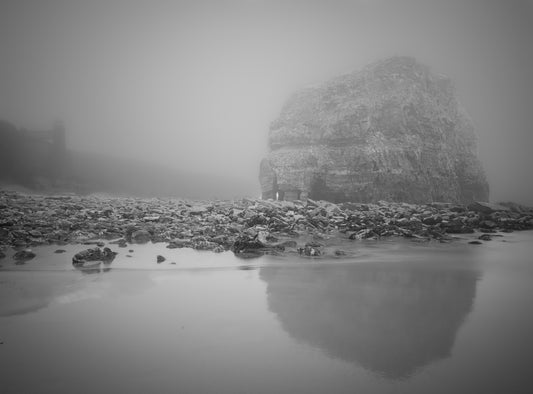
392	319
93	270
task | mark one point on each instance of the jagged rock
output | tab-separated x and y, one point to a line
160	258
311	249
179	243
204	244
246	243
24	255
485	207
393	131
514	207
154	218
92	257
198	210
251	246
366	233
141	236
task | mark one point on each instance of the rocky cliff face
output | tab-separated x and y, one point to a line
392	131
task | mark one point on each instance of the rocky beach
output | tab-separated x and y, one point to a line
246	227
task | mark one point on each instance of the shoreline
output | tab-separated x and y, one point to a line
247	227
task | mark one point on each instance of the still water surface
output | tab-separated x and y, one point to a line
394	317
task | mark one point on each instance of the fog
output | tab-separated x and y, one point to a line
193	85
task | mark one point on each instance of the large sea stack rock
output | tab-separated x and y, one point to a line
392	131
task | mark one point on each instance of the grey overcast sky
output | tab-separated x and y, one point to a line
195	84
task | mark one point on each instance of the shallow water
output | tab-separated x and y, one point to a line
393	317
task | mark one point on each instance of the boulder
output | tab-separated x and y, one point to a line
24	255
311	249
393	131
252	246
141	236
92	257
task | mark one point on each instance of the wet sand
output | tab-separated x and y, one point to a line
394	317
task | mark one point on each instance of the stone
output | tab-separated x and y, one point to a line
488	224
24	255
217	249
93	256
179	243
97	243
393	131
485	207
198	210
366	233
246	243
311	249
59	251
160	259
250	246
140	236
459	229
204	244
514	207
154	218
4	233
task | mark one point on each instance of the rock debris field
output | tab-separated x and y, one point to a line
246	227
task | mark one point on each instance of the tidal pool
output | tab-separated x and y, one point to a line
392	317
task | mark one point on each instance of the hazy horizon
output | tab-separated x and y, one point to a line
194	85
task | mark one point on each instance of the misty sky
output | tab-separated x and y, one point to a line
195	84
